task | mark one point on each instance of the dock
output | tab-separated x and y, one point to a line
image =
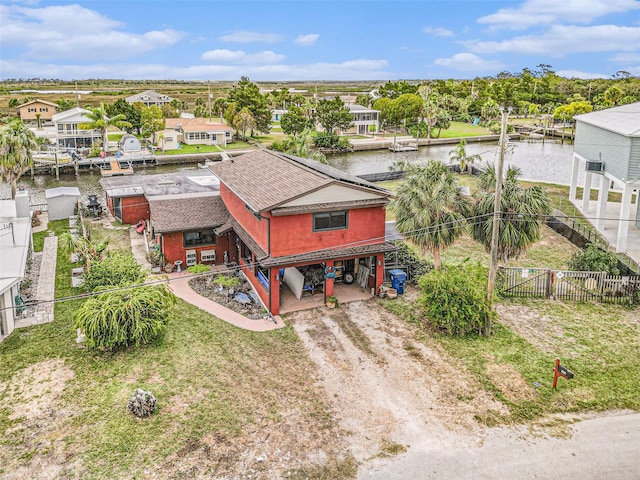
115	169
404	147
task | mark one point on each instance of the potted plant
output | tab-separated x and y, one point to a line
331	301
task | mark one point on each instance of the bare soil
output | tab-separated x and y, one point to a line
388	388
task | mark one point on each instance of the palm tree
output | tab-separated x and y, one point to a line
430	209
459	154
99	121
16	145
522	213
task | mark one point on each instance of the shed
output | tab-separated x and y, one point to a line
62	202
129	143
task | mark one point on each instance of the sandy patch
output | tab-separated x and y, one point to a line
510	382
539	330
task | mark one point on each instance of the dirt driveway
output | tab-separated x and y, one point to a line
391	392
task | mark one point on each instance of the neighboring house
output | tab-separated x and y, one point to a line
289	215
29	111
199	131
62	202
365	120
182	210
129	143
167	139
69	134
607	146
149	97
276	115
15	246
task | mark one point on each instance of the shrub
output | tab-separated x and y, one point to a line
332	141
226	281
113	270
133	316
593	259
198	268
454	298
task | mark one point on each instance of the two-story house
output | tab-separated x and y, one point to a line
298	224
150	97
607	147
69	134
37	111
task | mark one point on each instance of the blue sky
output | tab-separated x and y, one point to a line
316	40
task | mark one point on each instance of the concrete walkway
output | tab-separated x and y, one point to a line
179	284
46	286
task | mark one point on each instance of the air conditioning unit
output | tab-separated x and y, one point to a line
595	167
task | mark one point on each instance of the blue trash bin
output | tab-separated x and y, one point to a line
398	277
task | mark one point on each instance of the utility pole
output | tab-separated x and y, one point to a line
497	207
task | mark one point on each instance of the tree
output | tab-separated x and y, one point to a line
490	111
131	112
98	120
299	144
219	106
17	143
89	252
243	121
460	155
152	120
247	94
522	213
119	319
430	210
64	104
295	121
113	269
333	115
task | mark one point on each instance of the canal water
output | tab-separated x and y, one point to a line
549	162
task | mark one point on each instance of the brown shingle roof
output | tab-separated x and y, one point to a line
264	179
330	253
175	213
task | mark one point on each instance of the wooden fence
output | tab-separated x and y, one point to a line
568	285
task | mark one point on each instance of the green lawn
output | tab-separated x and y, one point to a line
217	387
461	129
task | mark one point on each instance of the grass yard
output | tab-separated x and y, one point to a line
598	342
225	396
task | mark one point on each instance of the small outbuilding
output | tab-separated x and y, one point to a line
129	143
62	202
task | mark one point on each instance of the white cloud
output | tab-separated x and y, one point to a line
626	58
223	55
238	56
579	74
544	12
468	62
307	40
359	69
438	31
73	31
561	40
243	36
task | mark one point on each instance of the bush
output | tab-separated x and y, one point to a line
454	298
332	141
593	259
113	270
226	281
405	256
132	316
198	268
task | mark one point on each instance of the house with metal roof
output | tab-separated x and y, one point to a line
607	147
15	246
298	225
150	97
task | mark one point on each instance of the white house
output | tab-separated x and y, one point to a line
607	146
149	97
15	245
69	134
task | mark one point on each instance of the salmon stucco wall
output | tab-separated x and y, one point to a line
133	208
254	227
293	234
174	249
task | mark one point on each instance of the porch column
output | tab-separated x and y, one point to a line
329	283
274	291
586	194
574	178
379	272
623	225
603	196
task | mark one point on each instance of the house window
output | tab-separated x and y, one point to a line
330	220
44	109
201	237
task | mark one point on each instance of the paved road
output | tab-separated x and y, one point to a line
601	448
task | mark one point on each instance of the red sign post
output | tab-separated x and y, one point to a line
560	371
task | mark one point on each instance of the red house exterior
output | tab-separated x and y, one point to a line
288	215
